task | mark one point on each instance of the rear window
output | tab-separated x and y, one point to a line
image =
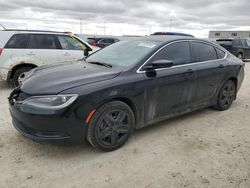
203	52
41	41
18	41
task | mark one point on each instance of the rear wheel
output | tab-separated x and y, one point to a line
111	126
20	75
226	95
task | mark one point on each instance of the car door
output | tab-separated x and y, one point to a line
14	50
71	48
43	49
210	67
246	48
169	90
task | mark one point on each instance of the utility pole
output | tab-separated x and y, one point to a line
149	29
170	24
80	25
3	27
104	28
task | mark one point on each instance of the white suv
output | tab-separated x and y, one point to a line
21	51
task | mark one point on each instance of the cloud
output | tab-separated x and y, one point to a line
127	16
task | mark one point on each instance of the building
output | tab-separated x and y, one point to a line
213	35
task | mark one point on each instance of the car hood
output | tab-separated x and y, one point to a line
55	79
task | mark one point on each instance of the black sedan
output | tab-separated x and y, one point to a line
126	86
102	42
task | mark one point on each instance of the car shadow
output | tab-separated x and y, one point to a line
86	151
5	85
169	123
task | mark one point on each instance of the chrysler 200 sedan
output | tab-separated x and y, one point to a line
126	86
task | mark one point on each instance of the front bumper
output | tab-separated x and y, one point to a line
48	128
240	77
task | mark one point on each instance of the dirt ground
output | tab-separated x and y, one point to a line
204	149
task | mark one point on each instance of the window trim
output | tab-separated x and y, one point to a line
216	49
188	40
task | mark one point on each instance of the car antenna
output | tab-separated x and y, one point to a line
3	27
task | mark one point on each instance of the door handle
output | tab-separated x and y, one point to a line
31	53
189	71
66	54
221	66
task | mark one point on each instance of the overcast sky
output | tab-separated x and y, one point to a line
131	17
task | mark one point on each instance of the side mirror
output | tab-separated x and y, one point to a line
86	52
158	64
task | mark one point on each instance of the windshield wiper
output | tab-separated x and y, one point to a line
101	64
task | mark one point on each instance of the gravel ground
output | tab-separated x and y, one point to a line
204	149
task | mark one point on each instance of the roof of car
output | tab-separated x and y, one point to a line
98	38
172	33
34	31
164	38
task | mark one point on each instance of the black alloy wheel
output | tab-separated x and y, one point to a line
111	126
226	95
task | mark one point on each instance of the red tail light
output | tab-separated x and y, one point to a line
1	50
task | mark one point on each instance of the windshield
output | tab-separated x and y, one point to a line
91	41
125	53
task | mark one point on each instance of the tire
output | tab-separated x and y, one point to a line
20	75
111	126
226	96
240	56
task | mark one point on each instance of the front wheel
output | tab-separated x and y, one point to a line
20	75
226	95
111	126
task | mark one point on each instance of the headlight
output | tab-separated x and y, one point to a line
51	102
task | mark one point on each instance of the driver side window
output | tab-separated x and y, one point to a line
179	53
68	43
